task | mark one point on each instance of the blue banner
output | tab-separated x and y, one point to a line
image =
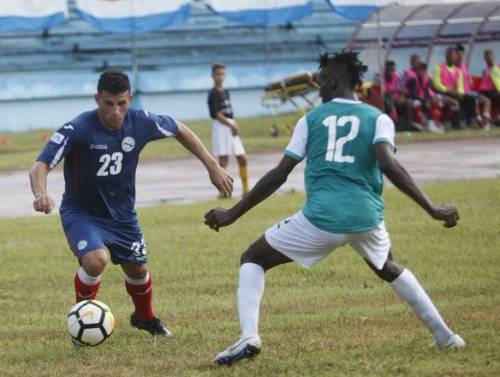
133	16
262	12
31	15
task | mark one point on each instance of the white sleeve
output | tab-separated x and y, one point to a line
297	146
384	130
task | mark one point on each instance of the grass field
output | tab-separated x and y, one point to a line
337	319
19	150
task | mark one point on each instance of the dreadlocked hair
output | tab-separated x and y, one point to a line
349	60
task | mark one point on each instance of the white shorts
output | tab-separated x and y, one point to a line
224	143
307	245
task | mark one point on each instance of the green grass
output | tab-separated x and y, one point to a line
23	148
337	319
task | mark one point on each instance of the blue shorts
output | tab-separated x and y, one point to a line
124	239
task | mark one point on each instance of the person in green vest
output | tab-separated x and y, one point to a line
348	146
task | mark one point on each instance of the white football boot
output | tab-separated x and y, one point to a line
244	348
454	342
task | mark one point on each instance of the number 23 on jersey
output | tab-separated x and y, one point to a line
111	164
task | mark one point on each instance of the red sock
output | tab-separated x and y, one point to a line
142	296
84	291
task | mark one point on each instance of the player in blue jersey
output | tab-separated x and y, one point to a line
101	151
348	146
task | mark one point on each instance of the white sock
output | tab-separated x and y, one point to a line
86	278
409	289
250	292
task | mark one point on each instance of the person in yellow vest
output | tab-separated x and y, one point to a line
448	82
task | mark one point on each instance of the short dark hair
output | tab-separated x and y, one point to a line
460	47
217	66
113	81
349	61
390	63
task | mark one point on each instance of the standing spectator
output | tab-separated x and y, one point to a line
225	131
480	102
490	81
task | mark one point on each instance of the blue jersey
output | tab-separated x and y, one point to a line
100	165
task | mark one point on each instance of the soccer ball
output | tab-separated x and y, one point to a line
90	323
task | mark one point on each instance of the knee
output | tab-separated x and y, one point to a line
242	160
223	161
249	257
95	263
389	272
136	271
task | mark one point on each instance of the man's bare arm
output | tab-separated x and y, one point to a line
398	175
38	180
229	122
267	185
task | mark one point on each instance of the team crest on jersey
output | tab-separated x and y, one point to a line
82	244
128	144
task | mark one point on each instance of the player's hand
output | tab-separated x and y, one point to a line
448	214
44	203
218	217
452	92
235	128
221	180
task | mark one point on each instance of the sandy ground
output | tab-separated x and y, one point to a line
184	180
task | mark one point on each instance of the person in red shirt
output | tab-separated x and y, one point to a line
490	82
426	104
395	99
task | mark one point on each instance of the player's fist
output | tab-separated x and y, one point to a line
218	217
448	214
44	203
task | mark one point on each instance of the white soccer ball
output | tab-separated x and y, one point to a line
90	323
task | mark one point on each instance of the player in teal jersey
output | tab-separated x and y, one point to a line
348	145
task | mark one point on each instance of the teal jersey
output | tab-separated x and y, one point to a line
343	181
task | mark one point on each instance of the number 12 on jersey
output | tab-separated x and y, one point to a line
335	146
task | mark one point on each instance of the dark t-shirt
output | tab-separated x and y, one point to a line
219	101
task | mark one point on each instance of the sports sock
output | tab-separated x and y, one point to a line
86	286
410	290
141	291
487	120
250	291
244	178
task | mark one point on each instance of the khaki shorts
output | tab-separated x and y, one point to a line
307	245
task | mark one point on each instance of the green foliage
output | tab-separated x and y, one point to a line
336	319
23	148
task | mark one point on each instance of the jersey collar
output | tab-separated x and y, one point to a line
344	100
